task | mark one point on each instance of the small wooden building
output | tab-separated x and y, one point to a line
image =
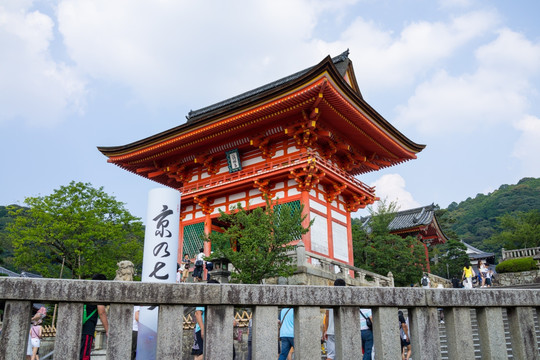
420	223
303	139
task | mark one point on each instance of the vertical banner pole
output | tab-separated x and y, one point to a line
159	260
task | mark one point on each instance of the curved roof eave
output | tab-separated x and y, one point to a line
233	105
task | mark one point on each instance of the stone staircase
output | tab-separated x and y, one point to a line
476	339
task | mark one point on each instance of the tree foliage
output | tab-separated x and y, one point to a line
376	250
256	241
452	255
518	230
476	219
79	225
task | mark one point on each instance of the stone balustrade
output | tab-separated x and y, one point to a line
521	253
221	299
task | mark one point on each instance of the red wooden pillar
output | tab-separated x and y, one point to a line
304	200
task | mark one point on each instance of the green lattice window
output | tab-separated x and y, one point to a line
294	205
193	239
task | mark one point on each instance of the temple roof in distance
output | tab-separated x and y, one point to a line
414	220
475	253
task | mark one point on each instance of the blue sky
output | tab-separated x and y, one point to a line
461	76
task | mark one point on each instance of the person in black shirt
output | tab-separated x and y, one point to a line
90	316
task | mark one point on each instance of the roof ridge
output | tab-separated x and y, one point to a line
194	113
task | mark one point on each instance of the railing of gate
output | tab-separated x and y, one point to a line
220	300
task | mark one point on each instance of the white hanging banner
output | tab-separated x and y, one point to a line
159	260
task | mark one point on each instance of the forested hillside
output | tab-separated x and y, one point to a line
475	220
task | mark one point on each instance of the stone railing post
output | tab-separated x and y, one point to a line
426	342
385	328
17	325
300	254
522	333
460	341
218	332
265	331
307	333
391	281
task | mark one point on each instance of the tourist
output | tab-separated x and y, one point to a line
366	322
404	336
425	281
328	330
468	274
178	274
456	284
90	317
35	338
286	332
250	339
482	269
199	262
489	277
198	332
36	320
135	331
186	262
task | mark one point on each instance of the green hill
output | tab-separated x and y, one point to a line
475	219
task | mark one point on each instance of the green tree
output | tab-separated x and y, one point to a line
518	230
256	241
78	225
376	250
451	255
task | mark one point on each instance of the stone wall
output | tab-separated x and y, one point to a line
518	278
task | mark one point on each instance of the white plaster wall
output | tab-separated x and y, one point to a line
242	203
339	237
293	191
235	197
254	192
217	208
339	216
318	206
319	234
255	160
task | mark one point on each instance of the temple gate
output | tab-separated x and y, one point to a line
302	139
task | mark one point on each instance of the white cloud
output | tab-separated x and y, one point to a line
174	52
34	87
497	92
383	59
527	148
391	187
445	4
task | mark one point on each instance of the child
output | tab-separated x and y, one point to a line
35	338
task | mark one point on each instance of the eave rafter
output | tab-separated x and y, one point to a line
209	162
261	141
308	176
205	203
333	190
265	186
356	202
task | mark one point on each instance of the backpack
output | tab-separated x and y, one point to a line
424	281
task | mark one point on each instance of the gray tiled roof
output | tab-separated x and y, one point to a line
22	274
407	218
8	272
341	62
475	253
413	217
